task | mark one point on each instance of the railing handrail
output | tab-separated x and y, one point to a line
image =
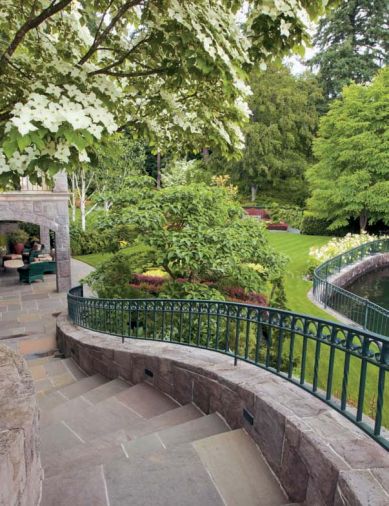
335	296
270	338
324	321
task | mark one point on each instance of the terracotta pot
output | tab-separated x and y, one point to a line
18	248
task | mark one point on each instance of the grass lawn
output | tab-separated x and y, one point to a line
296	247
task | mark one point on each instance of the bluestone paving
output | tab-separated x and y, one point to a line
27	312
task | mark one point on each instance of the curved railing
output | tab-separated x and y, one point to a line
358	309
343	366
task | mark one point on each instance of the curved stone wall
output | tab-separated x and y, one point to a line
20	467
320	458
359	269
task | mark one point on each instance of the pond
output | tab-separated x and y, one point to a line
373	286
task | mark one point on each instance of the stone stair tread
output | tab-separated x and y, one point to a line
50	384
163	478
90	423
200	428
239	470
172	418
146	401
109	389
104	448
63	394
81	487
41	360
69	407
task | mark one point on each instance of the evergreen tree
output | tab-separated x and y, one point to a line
351	178
352	44
279	136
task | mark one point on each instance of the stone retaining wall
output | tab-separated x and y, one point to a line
349	274
20	467
318	455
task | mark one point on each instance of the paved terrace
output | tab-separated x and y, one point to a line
28	312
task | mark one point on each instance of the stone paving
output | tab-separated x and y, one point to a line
28	312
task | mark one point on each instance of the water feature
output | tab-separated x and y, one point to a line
373	286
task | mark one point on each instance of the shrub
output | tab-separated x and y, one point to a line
238	294
311	225
111	279
183	289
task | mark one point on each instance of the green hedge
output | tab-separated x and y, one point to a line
311	225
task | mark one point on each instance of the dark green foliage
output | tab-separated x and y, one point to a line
352	44
111	279
278	138
351	178
311	225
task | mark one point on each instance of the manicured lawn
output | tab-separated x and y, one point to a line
296	247
94	259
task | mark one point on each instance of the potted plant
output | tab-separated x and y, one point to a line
18	238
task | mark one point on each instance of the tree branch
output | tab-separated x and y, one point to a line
30	24
100	37
140	73
120	60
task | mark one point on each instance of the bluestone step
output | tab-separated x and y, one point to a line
85	487
63	394
103	449
69	407
146	401
239	470
114	413
165	478
202	427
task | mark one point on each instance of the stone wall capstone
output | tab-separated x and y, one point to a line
20	466
320	458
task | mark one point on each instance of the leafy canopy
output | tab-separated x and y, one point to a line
351	178
352	44
73	71
201	234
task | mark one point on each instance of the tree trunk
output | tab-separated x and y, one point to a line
205	155
158	170
363	221
106	206
83	202
254	189
73	198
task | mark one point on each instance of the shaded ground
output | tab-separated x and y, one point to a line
27	312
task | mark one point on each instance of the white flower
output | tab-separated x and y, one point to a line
83	156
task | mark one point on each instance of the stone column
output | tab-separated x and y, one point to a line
60	182
62	238
45	237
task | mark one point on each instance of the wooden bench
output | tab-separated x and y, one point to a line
35	271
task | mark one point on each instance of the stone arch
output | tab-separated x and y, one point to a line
49	210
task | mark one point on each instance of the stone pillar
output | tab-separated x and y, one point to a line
60	182
45	237
62	238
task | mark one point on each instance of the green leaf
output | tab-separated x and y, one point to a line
9	147
24	142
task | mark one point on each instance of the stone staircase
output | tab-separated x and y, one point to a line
108	443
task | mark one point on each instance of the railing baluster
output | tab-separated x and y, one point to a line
346	368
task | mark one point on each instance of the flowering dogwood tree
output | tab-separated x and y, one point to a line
73	71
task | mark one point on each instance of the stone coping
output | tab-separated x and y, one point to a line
319	457
20	467
354	271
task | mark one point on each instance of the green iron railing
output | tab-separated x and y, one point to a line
343	366
361	311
